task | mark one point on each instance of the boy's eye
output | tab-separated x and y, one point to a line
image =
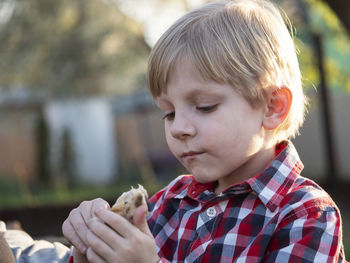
207	108
169	116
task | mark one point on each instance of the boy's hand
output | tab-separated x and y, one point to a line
75	227
112	238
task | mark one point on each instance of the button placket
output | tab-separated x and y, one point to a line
211	212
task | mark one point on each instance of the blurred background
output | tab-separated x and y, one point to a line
77	122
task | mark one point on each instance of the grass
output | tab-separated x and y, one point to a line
16	195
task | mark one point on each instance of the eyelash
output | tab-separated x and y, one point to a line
207	109
203	109
169	115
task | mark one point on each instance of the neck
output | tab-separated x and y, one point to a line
253	166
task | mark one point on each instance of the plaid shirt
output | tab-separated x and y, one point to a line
276	216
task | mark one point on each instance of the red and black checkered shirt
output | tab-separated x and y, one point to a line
276	216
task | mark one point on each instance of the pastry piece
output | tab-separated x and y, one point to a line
127	203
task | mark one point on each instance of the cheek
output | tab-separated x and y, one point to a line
220	136
232	134
170	141
167	136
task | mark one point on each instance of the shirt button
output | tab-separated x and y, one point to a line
211	212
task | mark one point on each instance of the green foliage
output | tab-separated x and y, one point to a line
12	194
8	186
336	45
311	17
88	46
71	48
43	153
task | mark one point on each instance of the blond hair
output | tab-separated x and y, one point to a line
244	43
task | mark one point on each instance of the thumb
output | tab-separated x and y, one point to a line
140	220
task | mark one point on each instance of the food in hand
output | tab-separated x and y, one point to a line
127	203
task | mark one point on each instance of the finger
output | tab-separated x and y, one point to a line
98	246
120	224
85	210
75	230
97	204
105	233
140	220
79	223
84	213
88	208
93	257
69	232
78	257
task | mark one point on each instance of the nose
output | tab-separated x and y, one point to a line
182	127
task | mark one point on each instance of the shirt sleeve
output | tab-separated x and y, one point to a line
25	248
308	237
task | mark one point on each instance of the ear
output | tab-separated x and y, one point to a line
278	106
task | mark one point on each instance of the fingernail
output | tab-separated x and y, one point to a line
82	249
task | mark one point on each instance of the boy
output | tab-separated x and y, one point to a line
227	79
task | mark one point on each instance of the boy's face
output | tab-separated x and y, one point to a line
212	130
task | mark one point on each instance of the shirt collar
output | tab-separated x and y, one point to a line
270	186
275	182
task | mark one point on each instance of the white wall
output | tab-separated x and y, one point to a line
91	126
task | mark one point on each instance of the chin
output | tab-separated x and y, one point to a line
202	180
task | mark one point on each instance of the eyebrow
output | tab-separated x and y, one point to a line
196	93
199	93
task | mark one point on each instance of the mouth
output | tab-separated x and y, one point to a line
190	154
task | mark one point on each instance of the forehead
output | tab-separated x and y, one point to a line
185	80
186	83
184	68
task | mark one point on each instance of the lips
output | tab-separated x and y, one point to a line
191	154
